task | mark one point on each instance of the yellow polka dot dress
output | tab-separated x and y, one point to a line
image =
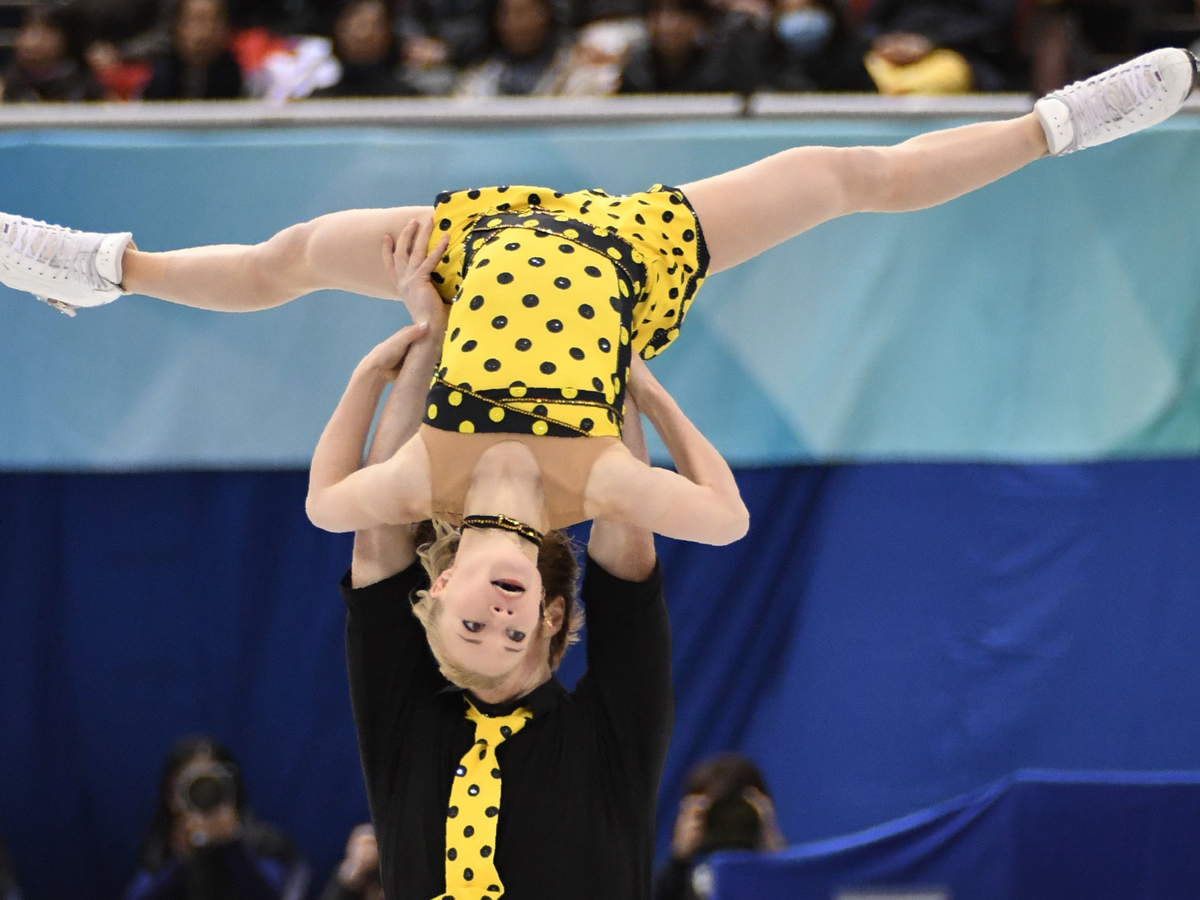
551	295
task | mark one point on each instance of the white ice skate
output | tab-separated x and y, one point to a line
1125	99
65	268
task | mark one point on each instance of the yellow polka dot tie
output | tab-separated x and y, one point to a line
475	810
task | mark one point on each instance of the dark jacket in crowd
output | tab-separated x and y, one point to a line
980	30
171	81
834	62
335	890
585	11
674	881
733	59
8	881
70	82
263	865
463	25
369	80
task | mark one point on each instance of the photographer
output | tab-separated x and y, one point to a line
204	842
726	806
357	878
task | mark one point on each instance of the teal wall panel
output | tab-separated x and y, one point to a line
1052	316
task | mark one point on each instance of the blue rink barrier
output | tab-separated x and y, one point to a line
1035	835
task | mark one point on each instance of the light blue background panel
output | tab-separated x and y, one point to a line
1052	316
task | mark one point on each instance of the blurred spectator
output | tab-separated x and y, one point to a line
599	55
198	67
366	49
694	48
725	806
128	29
439	37
48	58
8	881
1071	39
357	878
815	48
204	843
530	53
940	46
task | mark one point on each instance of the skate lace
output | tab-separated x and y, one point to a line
1109	97
58	248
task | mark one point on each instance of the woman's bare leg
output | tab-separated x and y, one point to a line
751	209
339	251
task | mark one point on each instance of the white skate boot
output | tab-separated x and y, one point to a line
1125	99
67	269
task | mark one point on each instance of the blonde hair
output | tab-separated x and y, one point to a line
437	544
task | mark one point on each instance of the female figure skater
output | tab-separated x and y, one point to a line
551	295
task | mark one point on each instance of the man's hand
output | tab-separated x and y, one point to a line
362	858
689	826
409	263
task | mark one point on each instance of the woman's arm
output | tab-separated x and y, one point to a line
342	495
393	488
701	503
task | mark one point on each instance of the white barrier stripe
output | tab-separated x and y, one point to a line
507	111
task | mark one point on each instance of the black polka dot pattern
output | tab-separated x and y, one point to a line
471	824
519	269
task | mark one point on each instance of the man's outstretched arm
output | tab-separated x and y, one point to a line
625	551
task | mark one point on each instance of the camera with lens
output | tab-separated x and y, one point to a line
203	786
732	823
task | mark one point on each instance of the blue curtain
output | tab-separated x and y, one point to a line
888	636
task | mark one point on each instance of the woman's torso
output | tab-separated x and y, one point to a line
550	295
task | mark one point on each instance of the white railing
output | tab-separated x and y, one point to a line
507	111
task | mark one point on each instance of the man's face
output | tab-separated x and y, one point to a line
491	608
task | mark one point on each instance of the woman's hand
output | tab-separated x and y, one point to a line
387	357
409	264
